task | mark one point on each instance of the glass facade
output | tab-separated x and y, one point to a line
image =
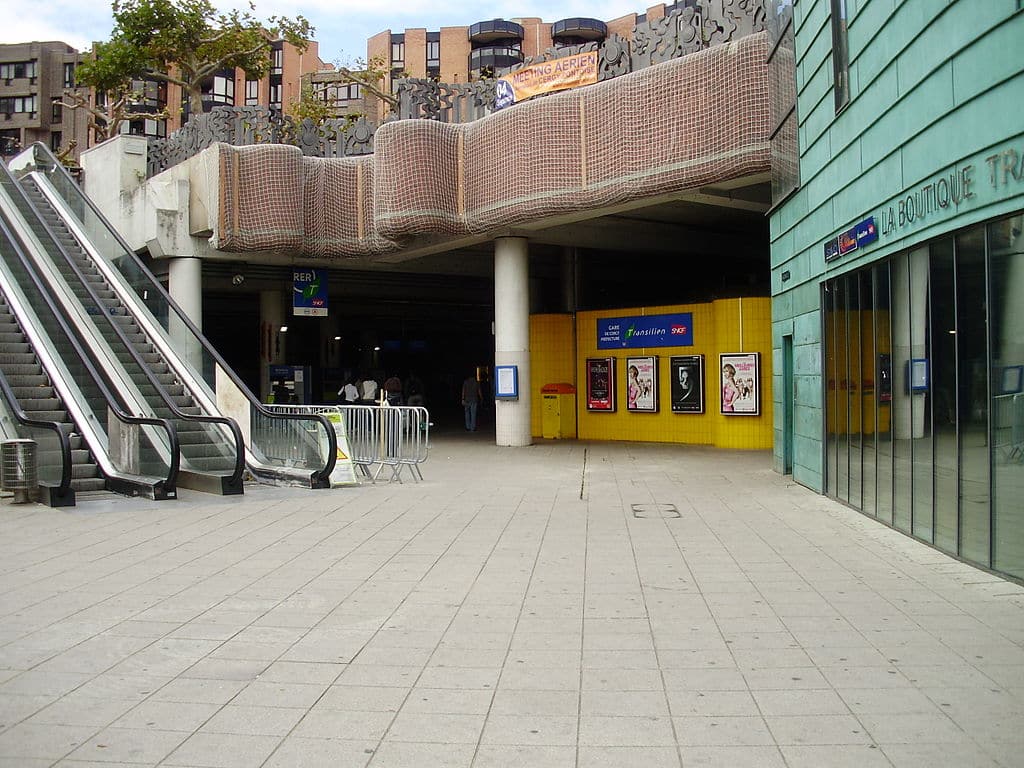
924	392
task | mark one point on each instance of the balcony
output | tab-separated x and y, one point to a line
484	32
578	30
494	58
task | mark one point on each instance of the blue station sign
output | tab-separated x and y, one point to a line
309	294
645	331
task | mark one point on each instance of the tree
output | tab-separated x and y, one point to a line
186	42
111	71
308	106
372	76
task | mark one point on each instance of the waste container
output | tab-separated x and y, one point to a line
558	410
19	469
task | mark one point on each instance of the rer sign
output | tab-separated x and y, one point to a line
309	292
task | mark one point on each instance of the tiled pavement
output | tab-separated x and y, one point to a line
560	605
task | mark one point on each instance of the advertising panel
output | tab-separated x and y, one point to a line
741	384
601	384
642	384
687	383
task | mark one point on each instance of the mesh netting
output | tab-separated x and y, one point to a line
259	207
337	197
686	123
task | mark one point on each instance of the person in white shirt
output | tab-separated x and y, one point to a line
369	392
349	393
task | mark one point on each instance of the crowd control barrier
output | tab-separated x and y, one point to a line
392	436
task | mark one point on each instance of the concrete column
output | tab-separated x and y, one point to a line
185	284
272	340
512	336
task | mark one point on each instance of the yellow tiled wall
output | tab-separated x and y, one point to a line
724	326
552	359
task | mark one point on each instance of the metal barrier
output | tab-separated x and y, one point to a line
390	436
1008	425
393	436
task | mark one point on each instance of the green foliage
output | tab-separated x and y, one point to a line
372	75
308	106
187	41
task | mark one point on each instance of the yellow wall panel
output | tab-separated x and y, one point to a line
731	325
552	359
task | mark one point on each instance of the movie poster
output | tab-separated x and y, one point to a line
600	383
687	387
642	384
740	384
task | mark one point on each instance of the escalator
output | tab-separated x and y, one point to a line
53	392
171	368
211	446
31	391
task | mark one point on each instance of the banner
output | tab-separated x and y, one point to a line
645	331
546	77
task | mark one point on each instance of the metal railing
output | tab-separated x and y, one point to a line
54	454
392	436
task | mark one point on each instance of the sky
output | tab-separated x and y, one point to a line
342	26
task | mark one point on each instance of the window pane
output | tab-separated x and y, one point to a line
943	392
883	391
1006	251
902	399
840	54
868	396
854	380
972	395
831	384
921	401
842	390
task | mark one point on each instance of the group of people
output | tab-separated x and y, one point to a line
364	390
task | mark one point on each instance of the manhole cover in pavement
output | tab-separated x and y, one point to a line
654	510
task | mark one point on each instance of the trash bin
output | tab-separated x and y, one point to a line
558	411
19	468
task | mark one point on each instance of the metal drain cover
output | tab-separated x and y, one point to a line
664	511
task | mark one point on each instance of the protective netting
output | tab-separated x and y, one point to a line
259	204
337	197
686	123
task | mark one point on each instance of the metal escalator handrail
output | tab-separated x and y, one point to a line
320	478
169	483
14	406
235	479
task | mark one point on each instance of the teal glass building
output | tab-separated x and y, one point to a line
898	264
